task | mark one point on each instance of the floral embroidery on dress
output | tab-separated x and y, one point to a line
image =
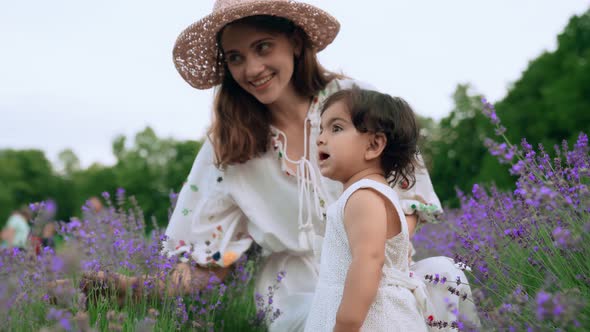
179	247
404	184
279	147
428	208
194	188
229	257
219	232
181	243
186	211
429	213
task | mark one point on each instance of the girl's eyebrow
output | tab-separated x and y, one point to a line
334	119
254	43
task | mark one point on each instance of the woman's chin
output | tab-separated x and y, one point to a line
266	96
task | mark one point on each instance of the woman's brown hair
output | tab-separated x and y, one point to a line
241	125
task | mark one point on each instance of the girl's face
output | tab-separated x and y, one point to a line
341	147
260	62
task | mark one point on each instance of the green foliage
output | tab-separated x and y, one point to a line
25	176
149	169
459	158
153	168
550	102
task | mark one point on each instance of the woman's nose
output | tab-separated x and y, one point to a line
254	67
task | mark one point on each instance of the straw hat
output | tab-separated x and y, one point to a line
196	50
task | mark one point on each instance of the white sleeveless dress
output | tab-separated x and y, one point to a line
401	303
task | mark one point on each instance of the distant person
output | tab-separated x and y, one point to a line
17	229
95	204
48	235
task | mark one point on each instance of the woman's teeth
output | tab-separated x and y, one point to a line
262	80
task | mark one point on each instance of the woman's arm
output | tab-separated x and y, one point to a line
365	221
421	199
183	281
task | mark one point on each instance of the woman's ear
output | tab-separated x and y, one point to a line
376	146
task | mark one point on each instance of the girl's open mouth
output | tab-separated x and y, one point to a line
323	156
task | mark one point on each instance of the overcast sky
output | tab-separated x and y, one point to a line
75	74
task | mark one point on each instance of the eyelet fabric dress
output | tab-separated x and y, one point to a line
401	302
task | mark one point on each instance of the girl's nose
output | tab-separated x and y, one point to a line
319	140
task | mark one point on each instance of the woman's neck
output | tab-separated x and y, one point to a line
290	109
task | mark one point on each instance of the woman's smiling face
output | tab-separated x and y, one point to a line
261	62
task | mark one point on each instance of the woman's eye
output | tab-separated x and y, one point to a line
234	59
263	47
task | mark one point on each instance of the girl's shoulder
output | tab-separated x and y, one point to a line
380	188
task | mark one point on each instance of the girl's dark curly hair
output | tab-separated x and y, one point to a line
375	112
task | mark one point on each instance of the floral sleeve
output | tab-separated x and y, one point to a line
421	198
206	224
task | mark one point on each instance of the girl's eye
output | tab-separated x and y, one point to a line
336	129
234	59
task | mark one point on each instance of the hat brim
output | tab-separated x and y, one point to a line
195	52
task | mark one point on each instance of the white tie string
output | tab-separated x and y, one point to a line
310	191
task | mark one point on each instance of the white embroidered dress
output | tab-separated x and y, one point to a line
219	214
401	303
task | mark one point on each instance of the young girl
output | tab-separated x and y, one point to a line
364	284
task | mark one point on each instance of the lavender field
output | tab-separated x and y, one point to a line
525	252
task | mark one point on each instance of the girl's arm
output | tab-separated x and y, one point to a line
412	220
365	221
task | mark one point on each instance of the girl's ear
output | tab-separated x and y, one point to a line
376	146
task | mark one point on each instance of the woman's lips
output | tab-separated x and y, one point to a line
262	83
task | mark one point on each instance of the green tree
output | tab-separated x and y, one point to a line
152	168
459	157
551	101
68	162
25	176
